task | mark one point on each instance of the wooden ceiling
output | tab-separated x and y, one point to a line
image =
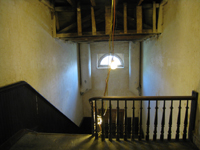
89	20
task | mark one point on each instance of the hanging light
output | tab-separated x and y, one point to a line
113	64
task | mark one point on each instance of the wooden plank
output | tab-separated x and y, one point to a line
57	22
140	2
94	30
139	19
93	3
125	18
106	38
54	24
160	19
79	24
101	33
107	20
154	17
85	19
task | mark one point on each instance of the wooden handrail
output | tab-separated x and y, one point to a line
122	98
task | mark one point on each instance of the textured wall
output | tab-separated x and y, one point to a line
28	52
171	60
85	62
119	78
134	60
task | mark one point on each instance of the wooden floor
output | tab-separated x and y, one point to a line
46	141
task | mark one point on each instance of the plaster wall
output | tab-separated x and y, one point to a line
85	62
118	81
29	52
134	60
171	60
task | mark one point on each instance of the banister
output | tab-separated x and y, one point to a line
122	98
193	99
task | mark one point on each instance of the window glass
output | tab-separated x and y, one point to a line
104	60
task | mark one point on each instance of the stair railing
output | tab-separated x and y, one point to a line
188	127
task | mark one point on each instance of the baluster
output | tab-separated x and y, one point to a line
125	122
96	132
170	121
185	122
178	121
117	127
133	122
140	134
163	123
148	121
110	133
92	121
155	121
102	124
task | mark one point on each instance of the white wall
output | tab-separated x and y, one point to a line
28	52
171	60
119	78
85	63
134	60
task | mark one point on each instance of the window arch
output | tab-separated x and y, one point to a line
104	60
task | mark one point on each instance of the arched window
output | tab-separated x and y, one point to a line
104	60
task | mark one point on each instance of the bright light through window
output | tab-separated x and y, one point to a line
107	60
104	61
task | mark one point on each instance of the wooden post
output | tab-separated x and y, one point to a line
103	122
94	30
57	22
160	19
192	115
125	18
54	23
107	19
139	18
79	24
154	17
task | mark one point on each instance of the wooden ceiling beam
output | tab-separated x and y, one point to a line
107	19
79	24
125	18
154	17
106	38
94	30
139	19
85	19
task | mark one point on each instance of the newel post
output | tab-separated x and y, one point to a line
192	115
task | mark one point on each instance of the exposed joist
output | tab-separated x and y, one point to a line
125	18
101	33
93	3
71	2
160	16
106	38
54	24
140	2
93	21
139	19
107	19
154	17
79	24
85	19
57	22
